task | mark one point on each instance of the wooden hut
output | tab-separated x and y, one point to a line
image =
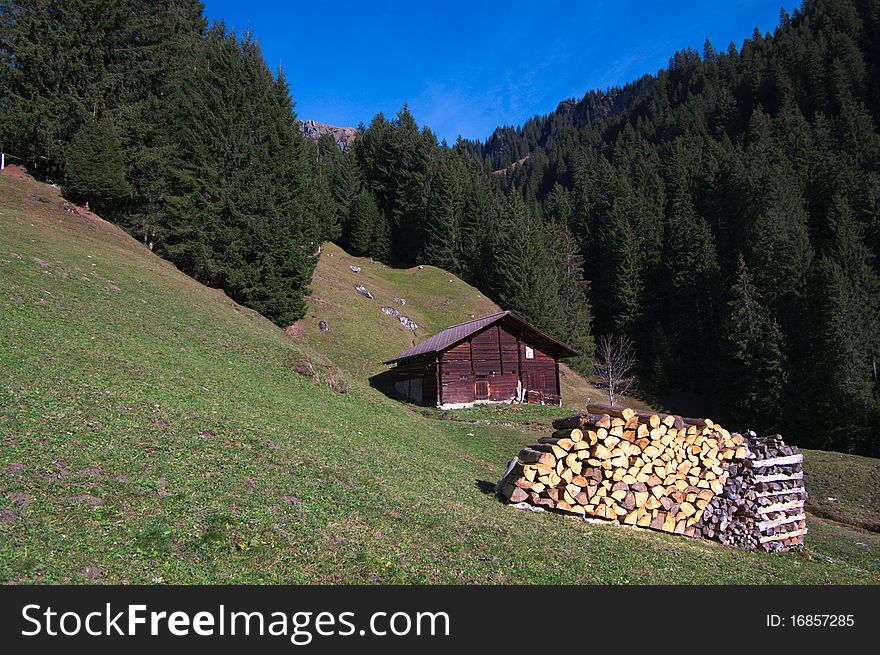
497	358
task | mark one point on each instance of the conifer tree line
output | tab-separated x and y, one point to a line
723	214
177	131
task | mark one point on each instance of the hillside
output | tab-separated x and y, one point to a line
360	336
155	431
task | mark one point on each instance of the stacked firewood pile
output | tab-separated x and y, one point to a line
665	472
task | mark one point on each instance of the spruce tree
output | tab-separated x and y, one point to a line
845	313
443	246
524	268
160	40
242	213
558	206
479	232
692	274
57	59
406	173
365	221
347	182
628	261
755	353
381	248
780	246
575	319
95	166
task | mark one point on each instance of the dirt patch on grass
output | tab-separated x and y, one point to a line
335	379
15	470
17	172
21	499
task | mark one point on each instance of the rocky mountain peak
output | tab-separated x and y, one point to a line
343	136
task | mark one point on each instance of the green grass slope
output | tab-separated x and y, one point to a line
153	431
361	337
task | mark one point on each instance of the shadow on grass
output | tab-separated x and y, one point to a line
488	488
384	383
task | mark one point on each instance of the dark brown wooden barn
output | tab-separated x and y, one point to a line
498	358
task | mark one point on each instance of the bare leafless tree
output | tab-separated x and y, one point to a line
615	364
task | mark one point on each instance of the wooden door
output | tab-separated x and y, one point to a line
481	388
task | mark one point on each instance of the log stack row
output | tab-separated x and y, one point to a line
665	472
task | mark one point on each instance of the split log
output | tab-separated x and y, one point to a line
775	461
615	411
779	476
784	535
763	525
510	466
532	456
514	493
582	420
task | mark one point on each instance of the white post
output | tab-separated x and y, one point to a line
2	160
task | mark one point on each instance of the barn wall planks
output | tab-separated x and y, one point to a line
493	362
539	371
416	381
488	366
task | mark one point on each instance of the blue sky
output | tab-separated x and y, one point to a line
468	67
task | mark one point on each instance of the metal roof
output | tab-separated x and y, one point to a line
452	335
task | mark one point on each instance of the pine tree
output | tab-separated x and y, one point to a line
524	268
755	356
445	214
365	224
96	166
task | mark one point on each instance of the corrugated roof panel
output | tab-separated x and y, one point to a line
452	335
447	337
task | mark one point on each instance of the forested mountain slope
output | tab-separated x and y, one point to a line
728	209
